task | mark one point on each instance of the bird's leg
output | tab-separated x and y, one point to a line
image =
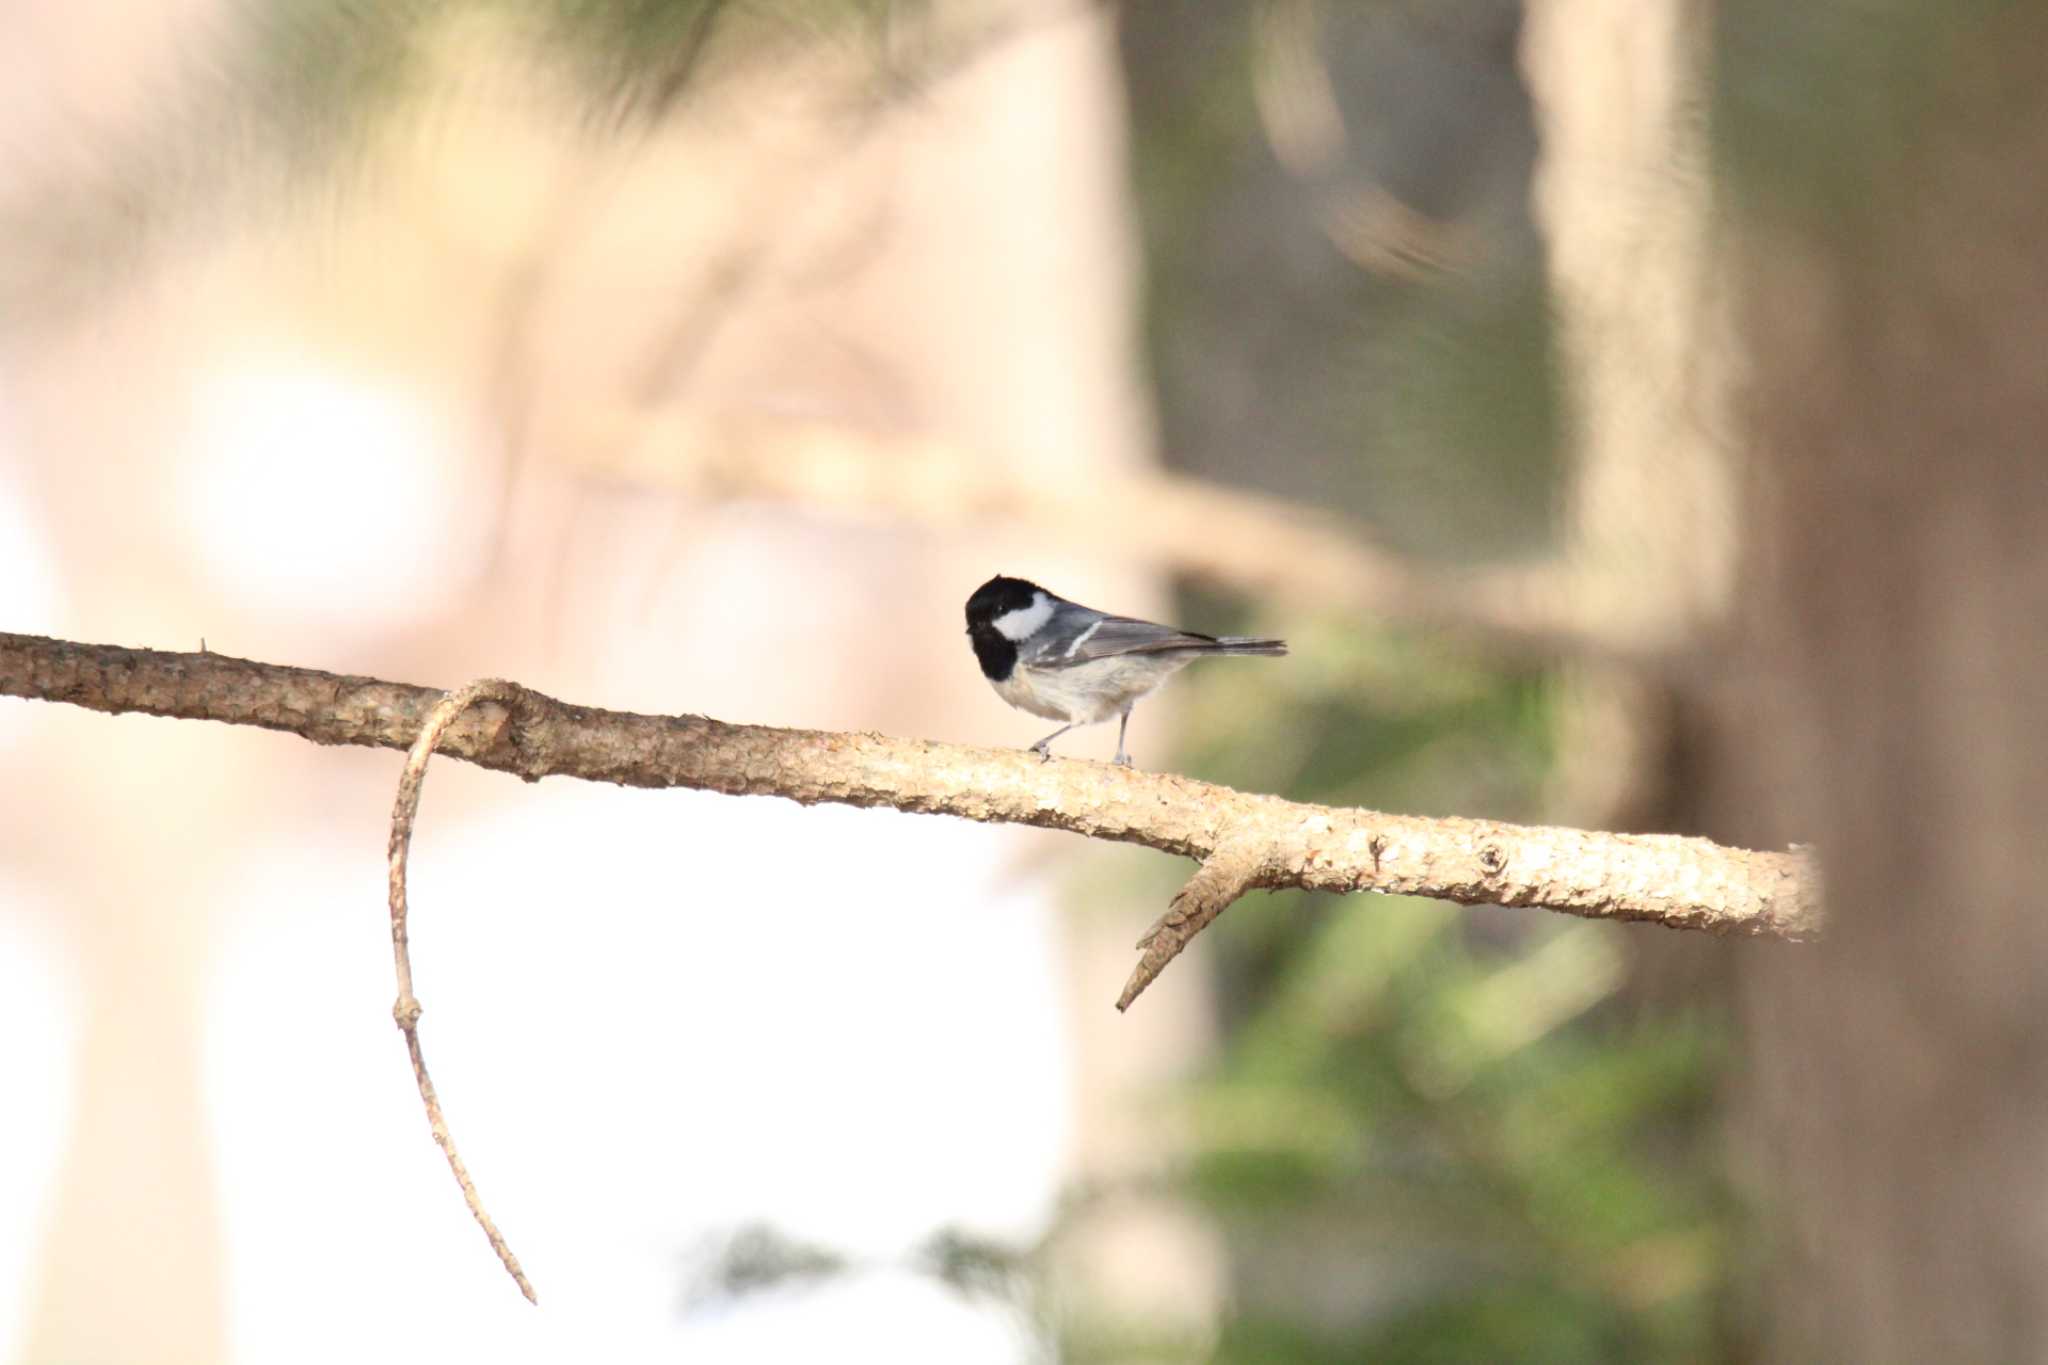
1040	749
1123	759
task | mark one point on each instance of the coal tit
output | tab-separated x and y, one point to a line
1064	661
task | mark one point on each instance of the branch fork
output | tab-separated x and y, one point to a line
1239	863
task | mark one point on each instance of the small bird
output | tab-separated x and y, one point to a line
1064	661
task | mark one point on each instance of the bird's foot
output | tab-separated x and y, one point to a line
1123	760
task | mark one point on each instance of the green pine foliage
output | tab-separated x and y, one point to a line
1436	1133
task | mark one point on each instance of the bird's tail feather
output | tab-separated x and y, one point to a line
1245	644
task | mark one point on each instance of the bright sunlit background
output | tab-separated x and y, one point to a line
738	1079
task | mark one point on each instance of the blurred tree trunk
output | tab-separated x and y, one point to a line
1621	194
1887	701
1880	691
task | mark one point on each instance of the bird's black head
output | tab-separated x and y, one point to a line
999	597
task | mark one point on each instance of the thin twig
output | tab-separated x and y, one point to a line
1681	883
407	1010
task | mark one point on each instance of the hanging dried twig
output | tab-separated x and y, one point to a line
407	1010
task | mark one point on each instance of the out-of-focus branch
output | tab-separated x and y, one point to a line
1261	841
1297	104
1245	541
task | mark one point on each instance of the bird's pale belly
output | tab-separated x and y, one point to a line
1088	693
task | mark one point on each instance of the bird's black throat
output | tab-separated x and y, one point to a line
993	599
997	655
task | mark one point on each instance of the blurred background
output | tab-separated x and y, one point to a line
1631	410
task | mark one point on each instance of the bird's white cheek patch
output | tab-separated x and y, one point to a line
1016	625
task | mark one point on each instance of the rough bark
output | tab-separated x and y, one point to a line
1677	882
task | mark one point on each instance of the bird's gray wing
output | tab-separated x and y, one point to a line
1107	636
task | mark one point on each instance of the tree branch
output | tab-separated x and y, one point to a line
1678	882
1243	840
